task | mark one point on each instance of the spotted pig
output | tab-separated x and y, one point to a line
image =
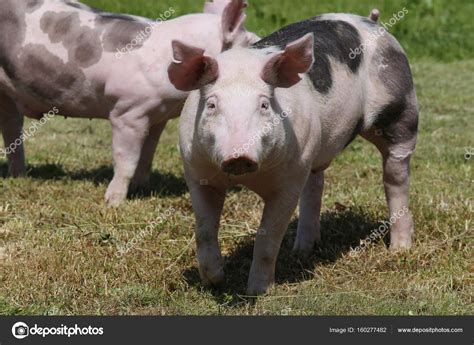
273	117
92	64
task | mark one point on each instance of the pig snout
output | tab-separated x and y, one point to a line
239	166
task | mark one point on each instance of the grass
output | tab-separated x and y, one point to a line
59	243
438	29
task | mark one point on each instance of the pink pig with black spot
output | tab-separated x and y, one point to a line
272	117
92	64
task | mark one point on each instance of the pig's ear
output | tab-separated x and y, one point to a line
283	68
191	69
233	18
215	6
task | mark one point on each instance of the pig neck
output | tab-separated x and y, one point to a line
302	126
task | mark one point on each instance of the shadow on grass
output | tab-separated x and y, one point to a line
341	231
161	184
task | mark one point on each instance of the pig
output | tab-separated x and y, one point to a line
272	117
92	64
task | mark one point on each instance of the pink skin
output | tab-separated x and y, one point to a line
216	122
136	131
133	91
233	100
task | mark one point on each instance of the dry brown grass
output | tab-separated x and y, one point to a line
59	242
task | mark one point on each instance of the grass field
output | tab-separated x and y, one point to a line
59	243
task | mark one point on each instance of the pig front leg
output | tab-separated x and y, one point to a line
309	227
11	124
207	204
141	179
276	218
128	135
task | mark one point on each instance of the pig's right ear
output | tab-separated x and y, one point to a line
283	68
191	69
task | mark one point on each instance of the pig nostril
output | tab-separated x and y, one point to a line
239	166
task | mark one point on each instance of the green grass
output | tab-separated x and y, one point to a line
58	242
438	29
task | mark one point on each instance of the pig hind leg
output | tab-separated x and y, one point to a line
394	134
141	179
11	124
128	135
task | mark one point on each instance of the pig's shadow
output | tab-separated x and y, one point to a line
340	231
161	184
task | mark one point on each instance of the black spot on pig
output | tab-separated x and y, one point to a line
396	75
60	25
6	65
33	5
45	77
12	25
120	31
332	38
38	75
82	42
88	50
398	119
12	33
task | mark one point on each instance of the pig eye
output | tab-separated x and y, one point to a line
264	105
211	104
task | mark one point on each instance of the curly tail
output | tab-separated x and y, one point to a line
374	15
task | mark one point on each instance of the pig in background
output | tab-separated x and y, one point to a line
63	55
314	97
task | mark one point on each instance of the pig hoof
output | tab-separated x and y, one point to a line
400	241
303	249
400	245
114	199
305	241
212	277
18	172
257	289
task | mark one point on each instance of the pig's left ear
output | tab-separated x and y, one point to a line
191	69
283	68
